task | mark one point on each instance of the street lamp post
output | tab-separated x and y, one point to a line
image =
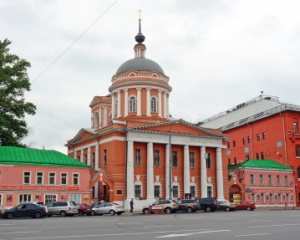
170	167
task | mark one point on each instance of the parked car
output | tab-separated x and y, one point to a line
2	209
84	209
62	208
108	208
245	205
25	210
168	206
187	205
208	204
43	205
225	206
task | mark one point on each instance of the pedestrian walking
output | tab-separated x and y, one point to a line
131	205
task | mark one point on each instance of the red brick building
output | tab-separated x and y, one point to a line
137	151
262	128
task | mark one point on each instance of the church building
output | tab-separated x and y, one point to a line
135	150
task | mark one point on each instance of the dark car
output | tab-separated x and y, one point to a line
187	205
2	209
25	210
208	204
84	209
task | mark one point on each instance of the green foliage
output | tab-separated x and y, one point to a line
14	82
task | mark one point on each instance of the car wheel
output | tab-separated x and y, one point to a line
189	210
227	209
112	212
63	214
9	216
208	209
93	213
168	210
248	208
146	211
49	215
81	214
37	214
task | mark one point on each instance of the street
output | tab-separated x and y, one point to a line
240	225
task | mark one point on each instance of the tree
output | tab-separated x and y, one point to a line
14	82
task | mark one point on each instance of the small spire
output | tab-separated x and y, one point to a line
140	38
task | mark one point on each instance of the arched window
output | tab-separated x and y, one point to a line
132	104
153	104
116	107
96	120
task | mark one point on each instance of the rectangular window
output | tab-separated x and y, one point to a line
298	172
208	160
249	139
257	155
50	198
286	180
24	198
209	191
85	158
297	150
264	135
258	137
93	160
295	127
251	179
138	160
270	179
75	179
175	159
229	162
26	178
228	145
261	179
104	158
244	141
233	144
75	198
63	178
262	155
279	144
247	157
234	160
156	191
137	191
156	158
39	178
175	191
278	180
51	178
192	160
193	191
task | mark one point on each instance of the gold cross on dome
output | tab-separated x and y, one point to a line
140	13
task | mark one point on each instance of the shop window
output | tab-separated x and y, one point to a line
156	158
138	191
24	198
138	160
156	191
50	198
26	178
75	198
192	160
175	159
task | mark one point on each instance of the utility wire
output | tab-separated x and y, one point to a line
60	55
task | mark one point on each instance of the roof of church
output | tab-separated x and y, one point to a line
140	64
264	163
37	157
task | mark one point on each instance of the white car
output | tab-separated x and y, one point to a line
108	208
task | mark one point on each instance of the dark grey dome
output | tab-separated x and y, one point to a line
140	64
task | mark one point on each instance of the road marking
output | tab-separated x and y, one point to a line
22	232
267	220
158	226
191	234
254	234
12	227
275	225
108	234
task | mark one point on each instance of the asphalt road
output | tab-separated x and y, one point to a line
237	225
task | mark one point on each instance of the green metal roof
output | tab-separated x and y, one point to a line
37	157
263	163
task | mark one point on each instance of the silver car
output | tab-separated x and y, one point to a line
108	208
62	208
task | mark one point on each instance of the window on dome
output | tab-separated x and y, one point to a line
96	120
132	104
116	107
153	104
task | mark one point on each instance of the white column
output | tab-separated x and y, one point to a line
97	157
167	104
159	103
89	157
119	105
148	102
126	102
130	171
220	190
96	190
167	171
203	173
150	176
139	102
186	170
113	105
105	117
100	117
81	156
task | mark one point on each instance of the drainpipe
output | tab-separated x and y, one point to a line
284	137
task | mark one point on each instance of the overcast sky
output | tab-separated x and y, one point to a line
217	53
